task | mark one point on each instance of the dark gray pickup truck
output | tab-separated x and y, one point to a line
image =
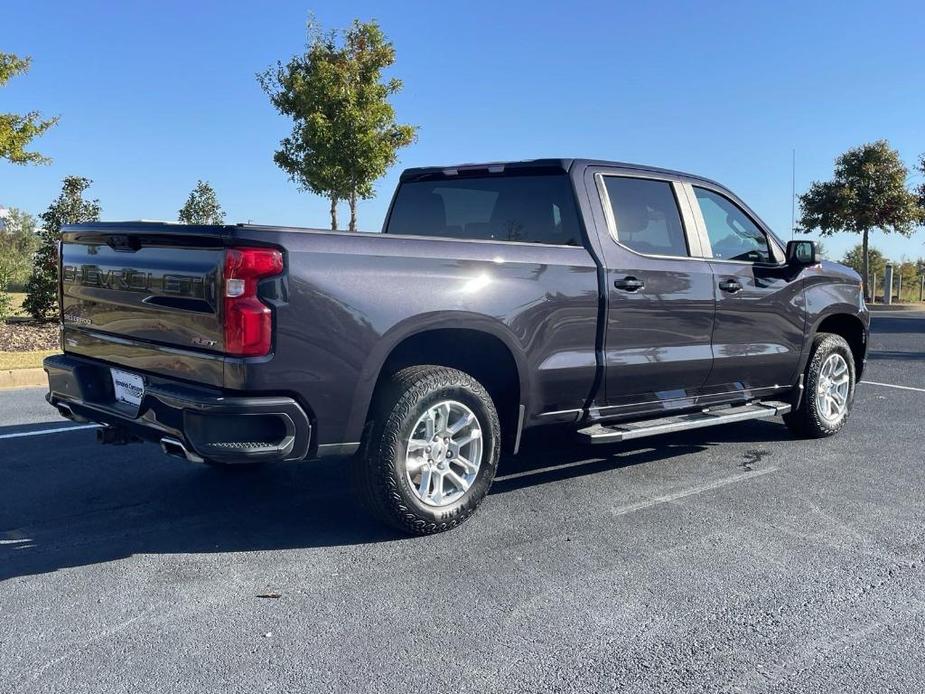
620	300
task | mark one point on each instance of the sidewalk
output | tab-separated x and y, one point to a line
890	308
22	378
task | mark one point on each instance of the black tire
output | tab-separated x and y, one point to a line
379	470
807	420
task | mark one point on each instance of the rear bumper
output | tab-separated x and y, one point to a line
210	423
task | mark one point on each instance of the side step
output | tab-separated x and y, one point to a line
624	431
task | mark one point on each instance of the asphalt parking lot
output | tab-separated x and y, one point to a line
731	559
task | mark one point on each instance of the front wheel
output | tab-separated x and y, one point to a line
829	384
432	451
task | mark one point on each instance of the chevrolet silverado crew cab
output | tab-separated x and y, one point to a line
620	300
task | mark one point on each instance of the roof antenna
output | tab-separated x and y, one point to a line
793	196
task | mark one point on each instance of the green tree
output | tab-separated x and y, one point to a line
368	129
18	241
17	131
868	191
344	134
69	207
201	207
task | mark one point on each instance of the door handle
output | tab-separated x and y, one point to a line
629	284
731	286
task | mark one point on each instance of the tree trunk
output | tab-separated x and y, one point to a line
353	211
333	214
866	277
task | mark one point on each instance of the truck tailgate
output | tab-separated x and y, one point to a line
156	284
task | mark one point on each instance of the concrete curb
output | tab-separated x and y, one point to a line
22	378
894	308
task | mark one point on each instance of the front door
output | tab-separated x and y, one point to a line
758	332
661	301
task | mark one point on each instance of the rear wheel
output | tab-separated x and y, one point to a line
829	389
432	451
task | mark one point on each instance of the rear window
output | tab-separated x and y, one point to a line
646	215
533	209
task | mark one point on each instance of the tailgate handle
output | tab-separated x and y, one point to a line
123	242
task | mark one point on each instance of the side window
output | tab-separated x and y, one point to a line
646	215
733	235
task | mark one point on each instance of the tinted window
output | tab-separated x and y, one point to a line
733	235
646	215
535	209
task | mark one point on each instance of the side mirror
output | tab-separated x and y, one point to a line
802	253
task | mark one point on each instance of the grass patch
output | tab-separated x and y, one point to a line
23	360
18	299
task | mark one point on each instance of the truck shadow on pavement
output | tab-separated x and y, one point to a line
67	502
549	458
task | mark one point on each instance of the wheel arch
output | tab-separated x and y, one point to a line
852	328
473	343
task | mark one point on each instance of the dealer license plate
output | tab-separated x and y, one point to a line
128	388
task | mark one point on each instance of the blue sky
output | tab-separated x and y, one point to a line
154	95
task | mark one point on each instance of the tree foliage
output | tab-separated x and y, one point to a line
868	191
201	207
906	279
920	190
344	134
69	207
854	259
822	250
18	241
17	131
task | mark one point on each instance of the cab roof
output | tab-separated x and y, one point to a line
540	166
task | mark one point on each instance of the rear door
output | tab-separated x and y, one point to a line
758	333
657	350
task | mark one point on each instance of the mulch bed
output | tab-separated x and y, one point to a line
28	336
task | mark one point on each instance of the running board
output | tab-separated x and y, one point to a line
624	431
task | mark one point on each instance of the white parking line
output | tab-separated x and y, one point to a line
699	489
42	432
891	385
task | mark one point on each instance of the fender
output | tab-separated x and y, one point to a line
826	299
419	324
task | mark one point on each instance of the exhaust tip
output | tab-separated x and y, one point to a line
176	449
65	411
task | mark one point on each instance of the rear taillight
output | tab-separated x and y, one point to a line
248	321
